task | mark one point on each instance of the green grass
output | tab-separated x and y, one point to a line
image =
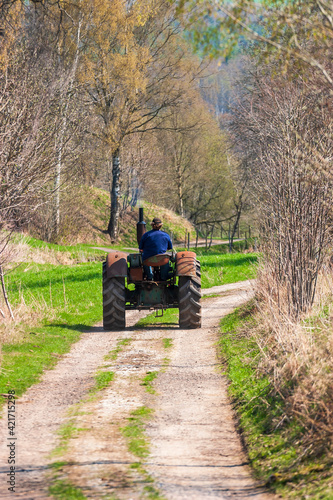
138	445
147	381
57	466
273	443
120	344
152	493
219	269
66	432
170	317
79	251
167	343
63	490
102	380
74	296
210	296
134	432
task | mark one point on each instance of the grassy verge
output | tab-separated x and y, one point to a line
80	252
274	443
71	299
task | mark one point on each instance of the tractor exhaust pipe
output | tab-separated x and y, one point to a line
140	227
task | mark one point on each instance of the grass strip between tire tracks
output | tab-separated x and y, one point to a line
62	489
138	445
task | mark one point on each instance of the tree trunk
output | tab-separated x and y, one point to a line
229	238
4	291
56	201
211	237
57	177
236	226
239	208
180	189
114	194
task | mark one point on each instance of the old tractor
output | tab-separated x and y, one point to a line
125	287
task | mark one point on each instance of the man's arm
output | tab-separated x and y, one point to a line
141	244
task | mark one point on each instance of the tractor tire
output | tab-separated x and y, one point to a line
198	270
114	301
189	301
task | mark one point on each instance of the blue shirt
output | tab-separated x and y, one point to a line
154	242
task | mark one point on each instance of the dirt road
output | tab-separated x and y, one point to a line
195	451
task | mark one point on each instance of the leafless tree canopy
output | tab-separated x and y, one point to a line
285	129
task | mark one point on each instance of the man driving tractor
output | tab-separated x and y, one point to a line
169	281
155	242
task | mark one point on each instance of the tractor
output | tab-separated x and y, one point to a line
125	286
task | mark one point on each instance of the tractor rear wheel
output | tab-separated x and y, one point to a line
198	270
189	301
114	301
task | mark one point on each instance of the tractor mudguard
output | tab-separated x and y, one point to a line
186	264
116	265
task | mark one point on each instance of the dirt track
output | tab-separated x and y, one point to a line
195	449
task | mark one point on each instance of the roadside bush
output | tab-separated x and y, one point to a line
284	131
297	358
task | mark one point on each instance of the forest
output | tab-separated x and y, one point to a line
107	95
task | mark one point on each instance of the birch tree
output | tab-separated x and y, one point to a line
133	71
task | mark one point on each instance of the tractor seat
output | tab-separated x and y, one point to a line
157	260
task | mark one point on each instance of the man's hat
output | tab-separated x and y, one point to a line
156	221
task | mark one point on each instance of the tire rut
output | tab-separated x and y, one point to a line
196	452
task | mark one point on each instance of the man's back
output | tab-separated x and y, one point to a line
154	242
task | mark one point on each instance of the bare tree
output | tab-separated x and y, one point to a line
286	129
27	130
132	89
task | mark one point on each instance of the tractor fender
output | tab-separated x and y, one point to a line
186	264
116	265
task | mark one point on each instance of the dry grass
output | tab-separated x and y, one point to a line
25	315
21	252
298	358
